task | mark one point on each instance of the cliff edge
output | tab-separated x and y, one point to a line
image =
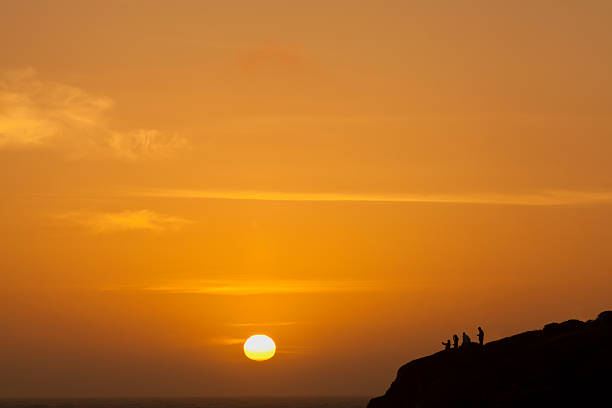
563	364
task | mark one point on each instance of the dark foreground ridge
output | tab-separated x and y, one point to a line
563	364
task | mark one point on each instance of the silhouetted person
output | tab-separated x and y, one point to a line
455	341
466	340
446	344
480	336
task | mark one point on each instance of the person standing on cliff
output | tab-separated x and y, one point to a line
480	336
446	344
455	341
466	340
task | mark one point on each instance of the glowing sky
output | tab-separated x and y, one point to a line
358	180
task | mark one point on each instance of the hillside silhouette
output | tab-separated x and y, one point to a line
563	364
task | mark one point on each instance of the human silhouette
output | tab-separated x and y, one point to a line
480	336
466	340
455	341
446	344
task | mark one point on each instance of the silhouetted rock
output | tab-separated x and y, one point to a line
554	329
567	363
605	316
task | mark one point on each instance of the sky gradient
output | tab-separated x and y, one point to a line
357	180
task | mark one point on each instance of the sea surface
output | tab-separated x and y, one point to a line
256	402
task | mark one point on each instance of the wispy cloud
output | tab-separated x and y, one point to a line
226	341
262	287
143	143
543	198
36	113
262	324
108	222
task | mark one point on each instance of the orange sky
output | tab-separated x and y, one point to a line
358	180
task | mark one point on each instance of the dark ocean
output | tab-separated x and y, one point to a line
256	402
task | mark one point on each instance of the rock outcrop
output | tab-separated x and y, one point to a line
564	364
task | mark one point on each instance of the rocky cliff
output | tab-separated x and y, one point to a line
563	364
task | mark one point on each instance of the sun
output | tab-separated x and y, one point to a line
259	347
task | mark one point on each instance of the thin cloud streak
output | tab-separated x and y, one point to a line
226	341
543	198
269	287
109	222
261	324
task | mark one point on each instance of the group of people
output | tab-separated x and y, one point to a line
466	340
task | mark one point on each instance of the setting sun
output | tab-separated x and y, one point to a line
259	347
